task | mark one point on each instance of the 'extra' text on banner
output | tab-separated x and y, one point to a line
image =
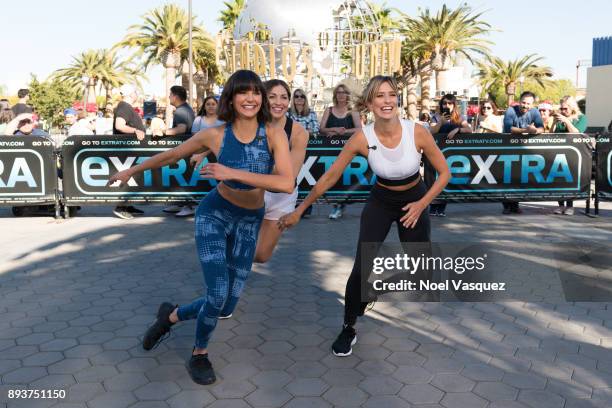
28	171
89	161
500	166
603	181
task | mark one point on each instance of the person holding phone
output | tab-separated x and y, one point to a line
450	122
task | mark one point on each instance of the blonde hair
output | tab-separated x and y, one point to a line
573	105
369	92
345	89
294	111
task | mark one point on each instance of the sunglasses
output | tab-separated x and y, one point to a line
299	96
563	109
487	108
543	110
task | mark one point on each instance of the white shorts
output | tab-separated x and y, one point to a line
279	204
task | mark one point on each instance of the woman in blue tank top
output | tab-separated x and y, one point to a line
229	217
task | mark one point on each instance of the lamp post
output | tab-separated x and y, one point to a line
85	80
190	57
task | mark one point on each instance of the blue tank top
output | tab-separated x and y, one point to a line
254	157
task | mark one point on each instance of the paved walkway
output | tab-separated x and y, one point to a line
76	295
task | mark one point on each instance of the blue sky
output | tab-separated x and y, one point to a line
41	36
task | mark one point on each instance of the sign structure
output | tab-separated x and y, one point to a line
493	167
484	167
89	161
603	181
355	182
28	170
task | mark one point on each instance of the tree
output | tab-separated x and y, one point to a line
230	14
495	71
50	98
414	63
445	35
163	38
87	64
115	72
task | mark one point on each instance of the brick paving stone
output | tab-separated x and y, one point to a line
421	394
345	396
84	321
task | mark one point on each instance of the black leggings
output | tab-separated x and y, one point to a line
383	207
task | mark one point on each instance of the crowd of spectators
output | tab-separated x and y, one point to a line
338	120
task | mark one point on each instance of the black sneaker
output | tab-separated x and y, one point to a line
160	330
122	213
134	210
200	369
347	338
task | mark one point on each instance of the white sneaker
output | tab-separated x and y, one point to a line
559	210
173	209
333	215
225	317
186	211
569	211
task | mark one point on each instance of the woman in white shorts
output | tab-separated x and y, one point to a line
279	204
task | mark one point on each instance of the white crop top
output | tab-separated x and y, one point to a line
393	164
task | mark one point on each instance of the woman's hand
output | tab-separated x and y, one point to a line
452	133
413	214
122	177
217	171
197	158
288	220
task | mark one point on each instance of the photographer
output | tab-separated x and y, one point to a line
450	122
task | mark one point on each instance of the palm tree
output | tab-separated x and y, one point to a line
230	15
87	64
163	38
495	71
384	16
116	72
445	35
414	64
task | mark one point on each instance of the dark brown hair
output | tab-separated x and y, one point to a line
241	81
202	111
455	116
490	102
277	82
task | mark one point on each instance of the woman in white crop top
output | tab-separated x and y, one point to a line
393	148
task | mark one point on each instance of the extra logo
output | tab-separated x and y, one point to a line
21	173
514	169
93	168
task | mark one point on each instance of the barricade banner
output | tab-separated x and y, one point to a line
603	181
355	182
89	161
28	170
494	167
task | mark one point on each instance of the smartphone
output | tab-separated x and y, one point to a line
445	111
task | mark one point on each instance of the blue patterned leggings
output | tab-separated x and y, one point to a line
226	237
